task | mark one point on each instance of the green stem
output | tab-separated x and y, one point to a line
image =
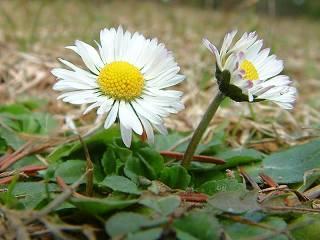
198	133
89	169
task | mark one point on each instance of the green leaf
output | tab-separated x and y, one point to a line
96	142
164	206
100	206
61	151
147	163
105	136
309	178
150	234
243	231
235	202
290	165
10	137
125	222
3	146
26	161
123	153
33	103
20	118
239	157
165	142
184	236
109	162
120	184
153	158
46	123
306	227
197	225
31	194
71	170
223	185
175	177
15	109
233	158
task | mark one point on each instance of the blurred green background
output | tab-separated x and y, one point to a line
277	7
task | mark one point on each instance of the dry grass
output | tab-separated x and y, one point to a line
33	34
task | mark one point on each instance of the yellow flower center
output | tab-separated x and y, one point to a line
121	80
251	72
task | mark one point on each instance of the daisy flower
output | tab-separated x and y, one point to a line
127	79
253	74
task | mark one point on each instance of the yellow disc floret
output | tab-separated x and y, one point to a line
251	72
121	80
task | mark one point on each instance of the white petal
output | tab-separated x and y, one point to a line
80	97
129	118
118	44
69	75
148	129
161	128
253	50
89	56
77	69
227	42
92	106
105	106
107	40
126	135
112	115
147	114
170	82
213	50
71	86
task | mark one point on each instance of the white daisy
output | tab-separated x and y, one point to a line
126	80
253	70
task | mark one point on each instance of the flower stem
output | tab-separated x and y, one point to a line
197	135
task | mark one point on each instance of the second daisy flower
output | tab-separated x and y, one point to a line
254	74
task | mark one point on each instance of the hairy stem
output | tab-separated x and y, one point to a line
198	133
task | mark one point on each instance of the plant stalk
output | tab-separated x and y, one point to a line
198	133
89	169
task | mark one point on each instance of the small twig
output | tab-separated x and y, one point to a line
268	180
312	193
198	158
6	180
193	197
98	124
42	159
89	186
301	196
28	149
249	179
15	224
271	189
243	220
181	141
67	193
292	209
64	186
9	156
246	221
26	171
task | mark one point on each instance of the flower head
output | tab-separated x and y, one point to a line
126	80
246	72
